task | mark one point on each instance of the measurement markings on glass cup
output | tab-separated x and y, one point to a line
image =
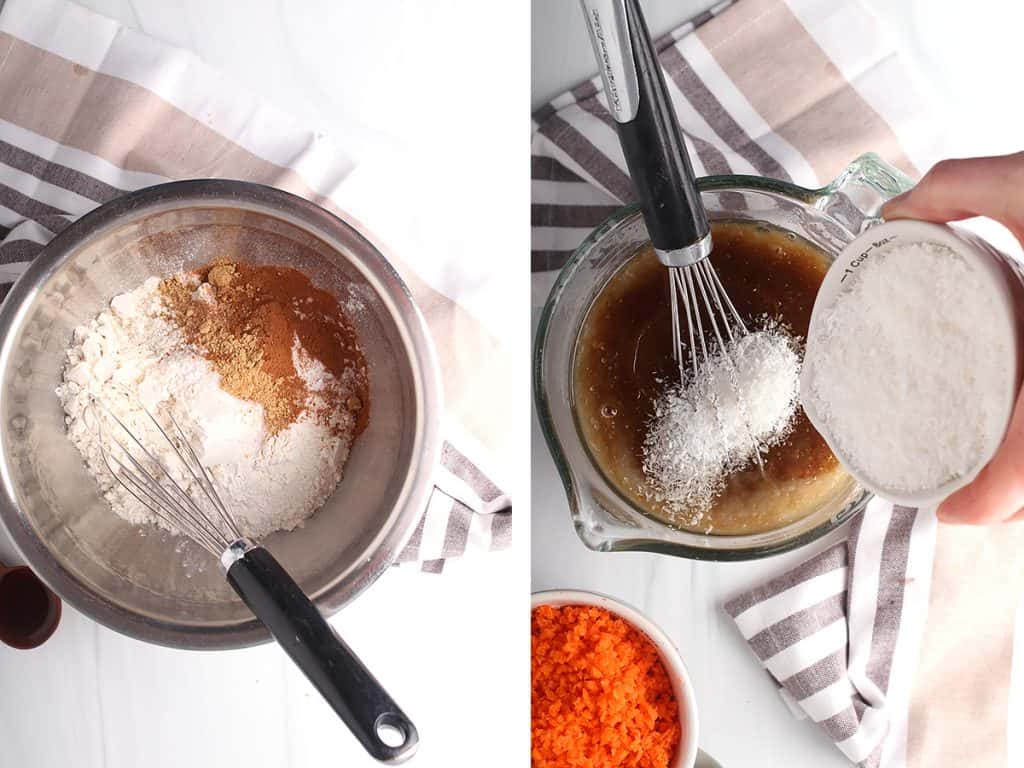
863	256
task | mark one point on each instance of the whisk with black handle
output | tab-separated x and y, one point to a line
187	499
663	180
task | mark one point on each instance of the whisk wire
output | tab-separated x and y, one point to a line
147	491
179	492
724	295
158	490
702	293
697	330
713	317
198	472
689	320
159	503
676	289
677	352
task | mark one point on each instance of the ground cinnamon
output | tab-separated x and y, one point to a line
246	320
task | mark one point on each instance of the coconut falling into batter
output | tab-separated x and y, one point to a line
742	400
669	450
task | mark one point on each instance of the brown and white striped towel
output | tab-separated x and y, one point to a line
905	643
792	89
839	634
90	110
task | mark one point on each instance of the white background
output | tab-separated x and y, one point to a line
433	106
966	55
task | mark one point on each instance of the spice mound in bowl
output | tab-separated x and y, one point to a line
600	694
262	370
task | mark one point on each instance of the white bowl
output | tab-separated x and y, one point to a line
1006	287
682	688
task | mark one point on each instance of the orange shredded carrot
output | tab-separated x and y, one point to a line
600	694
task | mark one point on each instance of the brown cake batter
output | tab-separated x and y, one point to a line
624	357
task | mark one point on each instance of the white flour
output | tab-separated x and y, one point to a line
744	395
909	368
130	356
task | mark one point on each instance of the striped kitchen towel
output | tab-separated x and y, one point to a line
840	632
905	643
90	110
792	89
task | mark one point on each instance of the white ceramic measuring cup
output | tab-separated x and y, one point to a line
1005	279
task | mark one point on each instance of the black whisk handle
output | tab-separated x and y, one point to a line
332	667
649	132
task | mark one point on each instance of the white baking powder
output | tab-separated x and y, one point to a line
744	397
130	358
909	367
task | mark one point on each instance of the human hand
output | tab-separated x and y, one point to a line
961	189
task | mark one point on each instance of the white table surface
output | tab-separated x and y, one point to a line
960	52
381	80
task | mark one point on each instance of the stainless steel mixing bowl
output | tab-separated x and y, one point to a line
145	582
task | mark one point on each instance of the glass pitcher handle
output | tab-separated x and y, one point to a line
856	196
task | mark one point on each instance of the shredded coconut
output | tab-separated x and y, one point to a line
743	398
909	367
130	357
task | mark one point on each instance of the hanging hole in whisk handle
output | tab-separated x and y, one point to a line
393	730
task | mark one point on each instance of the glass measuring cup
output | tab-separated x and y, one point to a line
604	518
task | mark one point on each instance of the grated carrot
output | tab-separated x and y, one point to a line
600	694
